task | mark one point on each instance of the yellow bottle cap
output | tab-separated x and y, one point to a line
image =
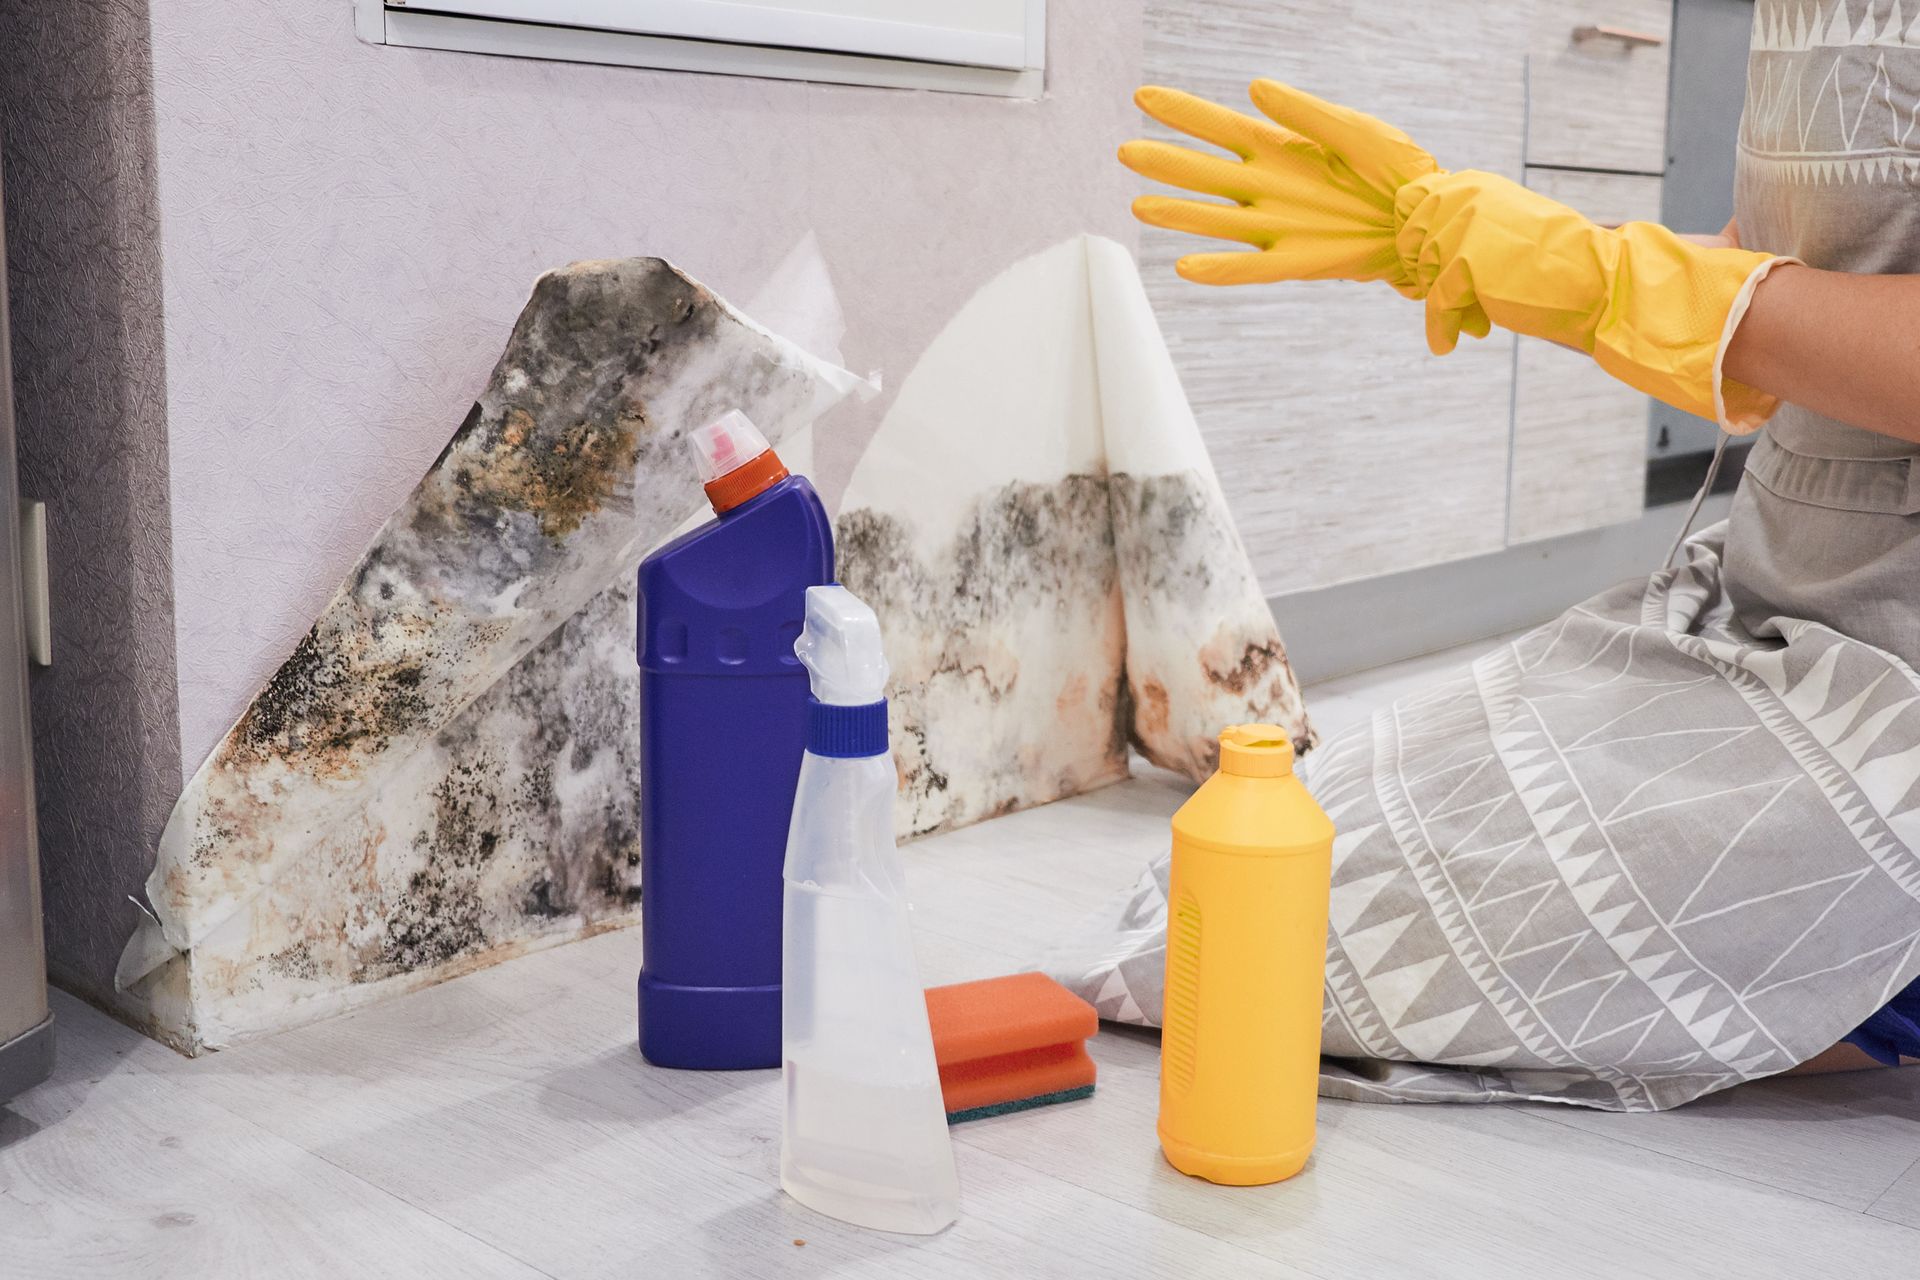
1256	751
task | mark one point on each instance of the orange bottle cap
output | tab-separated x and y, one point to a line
735	461
1256	751
745	482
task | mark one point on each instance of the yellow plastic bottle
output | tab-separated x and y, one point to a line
1246	963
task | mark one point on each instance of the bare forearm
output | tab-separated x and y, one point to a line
1845	346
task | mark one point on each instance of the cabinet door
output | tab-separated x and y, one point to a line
1579	437
23	961
1599	101
1345	449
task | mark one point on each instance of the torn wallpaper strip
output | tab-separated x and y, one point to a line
445	772
1043	536
441	774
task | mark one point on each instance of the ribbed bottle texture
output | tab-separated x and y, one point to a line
1179	1022
846	733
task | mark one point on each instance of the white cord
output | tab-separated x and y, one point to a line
1693	512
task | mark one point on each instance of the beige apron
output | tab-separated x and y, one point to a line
1826	524
1671	840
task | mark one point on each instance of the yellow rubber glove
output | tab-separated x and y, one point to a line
1325	193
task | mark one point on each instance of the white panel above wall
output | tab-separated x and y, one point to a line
971	46
1345	449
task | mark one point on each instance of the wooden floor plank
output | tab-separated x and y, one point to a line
111	1170
1453	1191
504	1124
1844	1138
1901	1202
544	1133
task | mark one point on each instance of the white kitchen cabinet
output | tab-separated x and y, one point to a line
1597	84
1346	451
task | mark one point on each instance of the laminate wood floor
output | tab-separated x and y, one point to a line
505	1125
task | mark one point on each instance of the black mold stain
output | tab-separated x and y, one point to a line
539	900
1165	535
213	834
557	435
325	705
1061	549
560	481
1257	662
1024	547
441	915
1260	675
562	709
555	439
584	712
1170	531
295	961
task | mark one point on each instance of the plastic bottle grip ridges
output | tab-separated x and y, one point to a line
1181	1017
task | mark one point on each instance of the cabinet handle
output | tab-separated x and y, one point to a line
1626	37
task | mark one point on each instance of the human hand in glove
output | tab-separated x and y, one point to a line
1322	192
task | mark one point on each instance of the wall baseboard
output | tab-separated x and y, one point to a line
1356	626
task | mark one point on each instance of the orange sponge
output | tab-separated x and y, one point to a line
1006	1044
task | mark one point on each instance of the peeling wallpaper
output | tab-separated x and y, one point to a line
445	773
1040	530
257	266
76	132
348	229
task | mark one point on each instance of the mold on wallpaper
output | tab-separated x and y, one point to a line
1006	646
442	773
266	373
1041	532
332	277
1203	650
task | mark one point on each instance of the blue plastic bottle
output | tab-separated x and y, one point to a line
723	724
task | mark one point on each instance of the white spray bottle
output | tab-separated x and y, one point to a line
865	1134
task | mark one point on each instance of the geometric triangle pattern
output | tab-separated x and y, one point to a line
1634	856
1831	93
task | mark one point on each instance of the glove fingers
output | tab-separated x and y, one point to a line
1320	257
1373	148
1244	135
1232	268
1445	324
1193	171
1453	307
1293	258
1200	218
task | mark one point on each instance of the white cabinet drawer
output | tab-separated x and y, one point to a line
1346	451
1598	102
1579	437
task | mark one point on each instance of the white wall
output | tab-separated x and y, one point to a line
348	231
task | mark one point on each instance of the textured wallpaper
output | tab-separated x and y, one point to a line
349	228
76	133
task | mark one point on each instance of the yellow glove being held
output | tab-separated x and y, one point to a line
1326	193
